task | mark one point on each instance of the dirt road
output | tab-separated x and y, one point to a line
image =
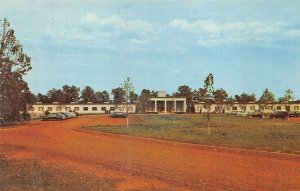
149	164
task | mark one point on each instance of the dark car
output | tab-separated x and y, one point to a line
76	113
1	122
52	116
280	114
118	115
258	114
67	115
294	114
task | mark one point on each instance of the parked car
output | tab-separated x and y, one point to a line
67	114
118	115
258	114
294	114
232	113
279	114
72	114
242	114
76	113
52	116
1	122
63	115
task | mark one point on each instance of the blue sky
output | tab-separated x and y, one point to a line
247	45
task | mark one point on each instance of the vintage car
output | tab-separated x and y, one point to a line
117	114
294	114
258	114
279	114
53	116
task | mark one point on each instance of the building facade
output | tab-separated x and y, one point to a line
164	104
38	109
249	107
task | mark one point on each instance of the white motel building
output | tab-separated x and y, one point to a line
249	107
160	104
38	109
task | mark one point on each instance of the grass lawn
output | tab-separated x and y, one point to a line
237	132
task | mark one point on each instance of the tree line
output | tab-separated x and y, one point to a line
68	94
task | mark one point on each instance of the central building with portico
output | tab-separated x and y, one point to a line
166	104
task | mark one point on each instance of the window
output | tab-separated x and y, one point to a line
41	109
85	108
278	107
58	109
76	108
270	107
130	108
252	108
103	108
94	108
234	108
112	108
67	108
49	109
121	108
296	108
31	109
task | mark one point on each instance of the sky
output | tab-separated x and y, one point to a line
248	45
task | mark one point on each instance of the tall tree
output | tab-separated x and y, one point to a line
199	95
220	97
56	95
208	97
267	98
128	89
287	99
14	64
144	99
244	99
88	95
42	98
187	92
71	93
118	95
133	97
102	97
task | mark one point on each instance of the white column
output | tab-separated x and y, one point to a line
155	106
165	106
184	106
175	106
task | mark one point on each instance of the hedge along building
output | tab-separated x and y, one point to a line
165	104
249	107
38	109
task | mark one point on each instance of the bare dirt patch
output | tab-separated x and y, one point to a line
142	164
294	119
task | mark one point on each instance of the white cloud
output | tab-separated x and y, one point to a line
142	31
139	41
175	71
293	33
89	18
212	33
112	31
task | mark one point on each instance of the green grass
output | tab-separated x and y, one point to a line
31	175
236	132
